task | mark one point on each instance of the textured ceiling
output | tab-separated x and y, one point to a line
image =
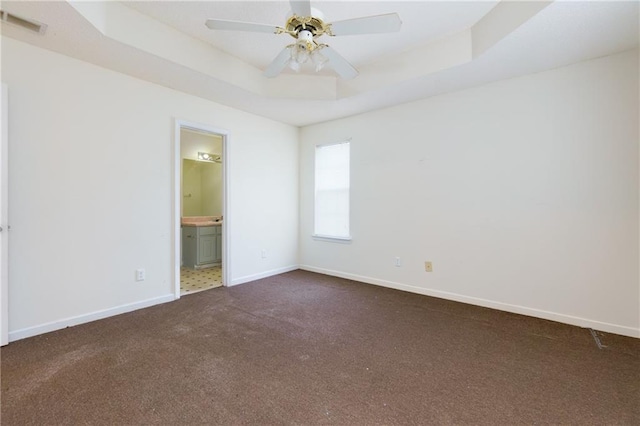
167	43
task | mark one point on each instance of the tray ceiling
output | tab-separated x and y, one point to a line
442	46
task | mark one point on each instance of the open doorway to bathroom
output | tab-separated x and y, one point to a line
200	205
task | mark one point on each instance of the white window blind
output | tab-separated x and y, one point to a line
332	191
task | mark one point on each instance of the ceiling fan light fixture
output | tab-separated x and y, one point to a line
293	58
299	55
302	54
303	51
318	59
294	66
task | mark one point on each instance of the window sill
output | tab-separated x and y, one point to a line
341	240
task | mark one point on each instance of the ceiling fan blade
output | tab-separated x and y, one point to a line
339	64
278	63
377	24
218	24
301	7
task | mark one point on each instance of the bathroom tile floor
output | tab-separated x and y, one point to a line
192	281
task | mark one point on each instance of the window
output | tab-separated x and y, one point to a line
332	191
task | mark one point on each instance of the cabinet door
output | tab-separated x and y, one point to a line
219	247
206	249
189	247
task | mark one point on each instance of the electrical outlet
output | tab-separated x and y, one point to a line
263	253
141	274
398	262
428	266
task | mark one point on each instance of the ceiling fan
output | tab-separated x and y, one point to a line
305	24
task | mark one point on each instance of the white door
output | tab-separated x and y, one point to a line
4	226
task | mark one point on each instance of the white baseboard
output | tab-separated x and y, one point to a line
567	319
516	309
249	278
81	319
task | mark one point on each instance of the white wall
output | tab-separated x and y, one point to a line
91	189
523	193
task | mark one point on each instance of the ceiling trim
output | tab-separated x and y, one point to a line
509	40
128	26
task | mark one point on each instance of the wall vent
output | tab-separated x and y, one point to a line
10	18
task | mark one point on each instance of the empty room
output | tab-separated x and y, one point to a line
320	212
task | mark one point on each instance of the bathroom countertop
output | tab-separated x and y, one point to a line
201	221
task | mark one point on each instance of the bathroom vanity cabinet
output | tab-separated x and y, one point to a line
201	246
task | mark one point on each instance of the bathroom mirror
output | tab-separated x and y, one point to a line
201	188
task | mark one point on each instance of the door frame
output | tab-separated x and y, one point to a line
177	198
4	218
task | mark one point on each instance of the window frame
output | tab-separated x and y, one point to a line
344	239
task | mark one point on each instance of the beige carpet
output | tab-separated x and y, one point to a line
307	349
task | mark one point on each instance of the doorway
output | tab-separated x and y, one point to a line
200	208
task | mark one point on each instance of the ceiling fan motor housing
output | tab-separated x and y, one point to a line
314	24
305	40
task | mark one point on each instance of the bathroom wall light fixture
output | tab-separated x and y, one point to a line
205	156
